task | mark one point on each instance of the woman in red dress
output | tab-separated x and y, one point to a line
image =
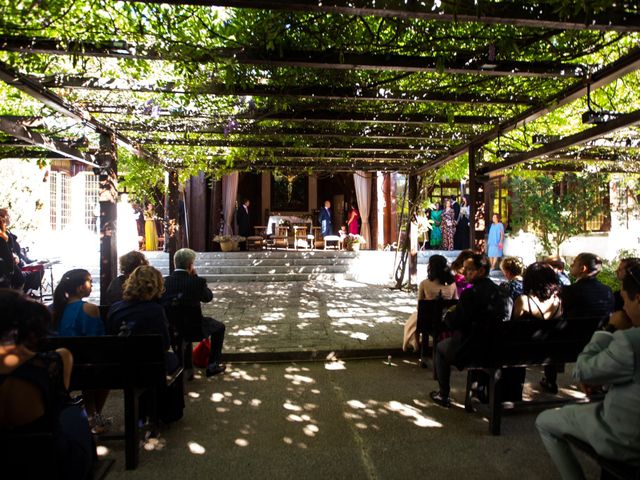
352	222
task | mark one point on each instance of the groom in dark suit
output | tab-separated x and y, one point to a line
326	227
243	221
184	288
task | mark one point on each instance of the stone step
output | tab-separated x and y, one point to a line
260	269
258	262
159	256
276	277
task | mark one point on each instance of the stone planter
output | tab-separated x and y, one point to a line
354	247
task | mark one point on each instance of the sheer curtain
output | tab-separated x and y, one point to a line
362	181
229	193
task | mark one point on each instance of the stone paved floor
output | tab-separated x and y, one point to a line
304	316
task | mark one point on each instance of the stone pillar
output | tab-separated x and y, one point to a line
477	205
107	160
214	217
171	217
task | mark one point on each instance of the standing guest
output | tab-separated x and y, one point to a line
326	226
185	288
34	389
557	263
73	317
512	269
495	241
439	283
480	308
457	268
140	313
352	221
456	208
587	297
611	426
461	237
435	236
448	225
150	232
342	233
128	263
244	222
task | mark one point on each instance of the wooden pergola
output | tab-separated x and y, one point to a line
333	109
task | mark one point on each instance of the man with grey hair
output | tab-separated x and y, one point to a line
184	290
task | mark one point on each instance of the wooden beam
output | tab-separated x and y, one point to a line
621	67
39	140
326	60
623	121
27	85
415	147
542	15
311	116
317	92
311	131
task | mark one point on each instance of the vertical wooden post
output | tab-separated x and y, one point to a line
171	225
216	207
108	196
413	239
477	204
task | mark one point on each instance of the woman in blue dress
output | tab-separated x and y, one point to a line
73	317
495	240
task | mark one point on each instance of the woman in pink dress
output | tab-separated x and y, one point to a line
352	222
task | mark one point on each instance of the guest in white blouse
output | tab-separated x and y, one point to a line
439	282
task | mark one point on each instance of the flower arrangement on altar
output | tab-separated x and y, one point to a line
353	239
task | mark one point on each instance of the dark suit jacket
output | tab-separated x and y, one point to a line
587	298
183	289
325	222
243	221
140	318
480	309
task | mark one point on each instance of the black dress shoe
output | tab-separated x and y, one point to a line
214	369
440	399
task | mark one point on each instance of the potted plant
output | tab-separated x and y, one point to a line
229	243
352	242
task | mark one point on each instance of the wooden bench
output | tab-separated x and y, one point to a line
610	469
527	343
430	313
133	364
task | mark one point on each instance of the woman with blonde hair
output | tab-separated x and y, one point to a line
140	313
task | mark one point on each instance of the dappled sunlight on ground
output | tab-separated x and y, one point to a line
373	409
315	315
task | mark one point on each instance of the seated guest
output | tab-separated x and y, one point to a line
611	426
512	270
140	313
73	317
7	263
128	263
28	280
457	268
34	386
439	283
557	264
480	308
185	288
587	297
540	299
623	266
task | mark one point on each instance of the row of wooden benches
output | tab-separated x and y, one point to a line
133	364
525	343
